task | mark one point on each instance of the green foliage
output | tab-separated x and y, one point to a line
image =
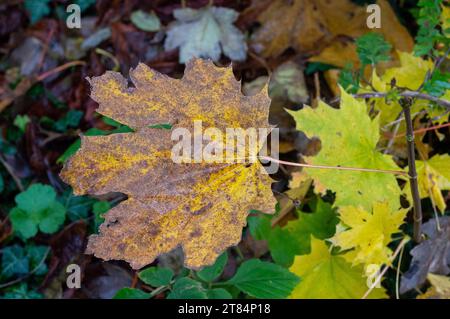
21	122
429	19
372	48
156	277
131	293
294	239
19	261
187	288
37	208
37	9
21	291
212	272
349	80
264	280
2	183
77	207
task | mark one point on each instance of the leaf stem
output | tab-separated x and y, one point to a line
342	168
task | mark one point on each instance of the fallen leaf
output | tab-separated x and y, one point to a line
349	138
434	177
202	206
440	288
310	26
369	233
206	33
327	276
431	256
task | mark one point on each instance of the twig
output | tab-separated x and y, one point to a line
13	175
406	104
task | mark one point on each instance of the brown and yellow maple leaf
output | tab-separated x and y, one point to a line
201	207
322	28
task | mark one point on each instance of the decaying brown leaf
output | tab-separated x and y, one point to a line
431	256
314	26
200	206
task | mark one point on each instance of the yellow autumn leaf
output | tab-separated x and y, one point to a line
369	233
410	74
440	287
327	276
201	206
434	177
349	138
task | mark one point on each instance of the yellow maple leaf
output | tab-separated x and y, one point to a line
202	206
327	276
409	74
440	288
434	177
369	233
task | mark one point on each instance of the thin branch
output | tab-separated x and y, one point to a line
413	182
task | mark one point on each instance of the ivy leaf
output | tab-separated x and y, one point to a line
14	261
206	33
372	48
200	206
187	288
349	138
21	291
212	272
327	276
156	277
131	293
37	208
369	233
264	280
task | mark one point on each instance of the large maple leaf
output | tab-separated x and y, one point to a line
349	138
200	206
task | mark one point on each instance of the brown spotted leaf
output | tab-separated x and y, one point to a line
201	207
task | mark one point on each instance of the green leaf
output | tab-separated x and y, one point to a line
37	9
146	21
78	207
372	48
37	208
100	208
187	288
219	293
52	218
14	261
264	280
156	277
131	293
21	122
212	272
36	198
36	255
21	292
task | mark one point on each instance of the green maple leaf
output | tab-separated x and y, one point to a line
327	276
349	138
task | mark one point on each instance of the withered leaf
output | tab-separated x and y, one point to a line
431	256
201	207
314	26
